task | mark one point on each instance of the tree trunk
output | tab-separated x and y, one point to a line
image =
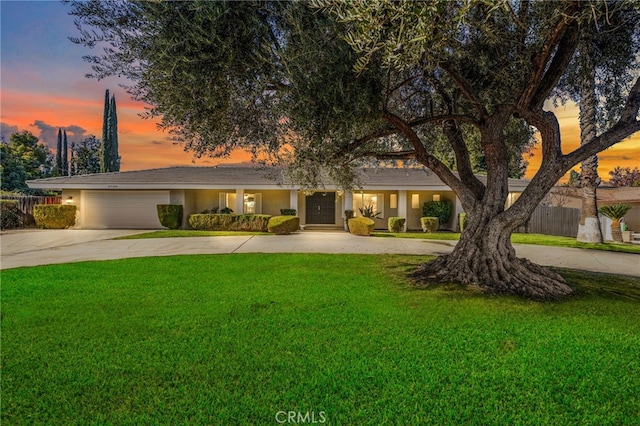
616	232
484	258
589	228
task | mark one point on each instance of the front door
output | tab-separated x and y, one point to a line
321	208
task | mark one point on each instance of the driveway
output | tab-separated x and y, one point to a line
42	247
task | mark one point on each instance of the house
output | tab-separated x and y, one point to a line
129	199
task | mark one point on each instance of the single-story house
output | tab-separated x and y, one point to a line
128	199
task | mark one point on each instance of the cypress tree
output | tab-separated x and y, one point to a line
58	167
113	137
65	153
104	148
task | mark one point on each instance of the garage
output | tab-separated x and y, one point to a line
122	209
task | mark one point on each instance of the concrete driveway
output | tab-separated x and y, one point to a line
42	247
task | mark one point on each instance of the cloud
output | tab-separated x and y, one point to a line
6	130
49	133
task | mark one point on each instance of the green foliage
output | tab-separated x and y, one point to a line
11	216
462	220
22	159
615	211
170	215
367	211
396	224
429	224
54	216
439	209
109	157
348	214
625	177
288	212
86	156
361	226
282	225
226	210
229	222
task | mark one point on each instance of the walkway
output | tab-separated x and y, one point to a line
42	247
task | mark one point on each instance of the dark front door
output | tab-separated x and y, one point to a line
321	208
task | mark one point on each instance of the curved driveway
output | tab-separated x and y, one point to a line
41	247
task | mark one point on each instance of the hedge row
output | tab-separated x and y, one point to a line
11	217
282	225
54	216
230	222
170	215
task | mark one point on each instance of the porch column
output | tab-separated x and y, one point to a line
402	208
293	200
347	203
239	201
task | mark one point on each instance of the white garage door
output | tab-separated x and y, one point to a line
122	209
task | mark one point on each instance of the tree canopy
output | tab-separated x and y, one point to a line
332	84
24	158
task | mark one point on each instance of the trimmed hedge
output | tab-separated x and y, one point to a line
439	209
229	222
170	215
54	216
396	224
463	221
361	226
282	225
429	224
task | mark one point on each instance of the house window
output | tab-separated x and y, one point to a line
393	201
252	203
376	201
415	201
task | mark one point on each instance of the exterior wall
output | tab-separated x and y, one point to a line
273	201
414	213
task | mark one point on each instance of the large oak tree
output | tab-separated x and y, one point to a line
324	86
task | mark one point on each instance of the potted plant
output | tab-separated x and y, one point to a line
615	212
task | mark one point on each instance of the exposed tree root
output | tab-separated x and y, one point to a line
507	275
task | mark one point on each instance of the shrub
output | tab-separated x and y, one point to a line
288	212
170	215
462	219
281	225
210	222
367	211
228	222
396	224
250	222
361	226
429	224
54	216
9	214
439	209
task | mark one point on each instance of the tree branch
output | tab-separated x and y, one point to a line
465	87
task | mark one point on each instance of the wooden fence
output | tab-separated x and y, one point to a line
26	203
560	221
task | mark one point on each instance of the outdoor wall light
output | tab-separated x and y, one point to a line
69	200
436	197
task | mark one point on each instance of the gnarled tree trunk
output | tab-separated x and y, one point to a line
484	258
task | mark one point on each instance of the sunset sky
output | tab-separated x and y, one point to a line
43	88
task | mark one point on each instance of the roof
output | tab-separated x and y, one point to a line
230	177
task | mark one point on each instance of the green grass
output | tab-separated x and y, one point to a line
233	339
176	233
538	239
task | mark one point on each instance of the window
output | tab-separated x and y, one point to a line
376	201
252	203
415	201
393	201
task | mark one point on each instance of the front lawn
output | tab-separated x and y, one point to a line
538	239
237	339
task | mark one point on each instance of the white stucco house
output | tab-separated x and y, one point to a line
128	200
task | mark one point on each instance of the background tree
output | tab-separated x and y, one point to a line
109	157
86	156
624	177
65	154
23	158
327	88
58	165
